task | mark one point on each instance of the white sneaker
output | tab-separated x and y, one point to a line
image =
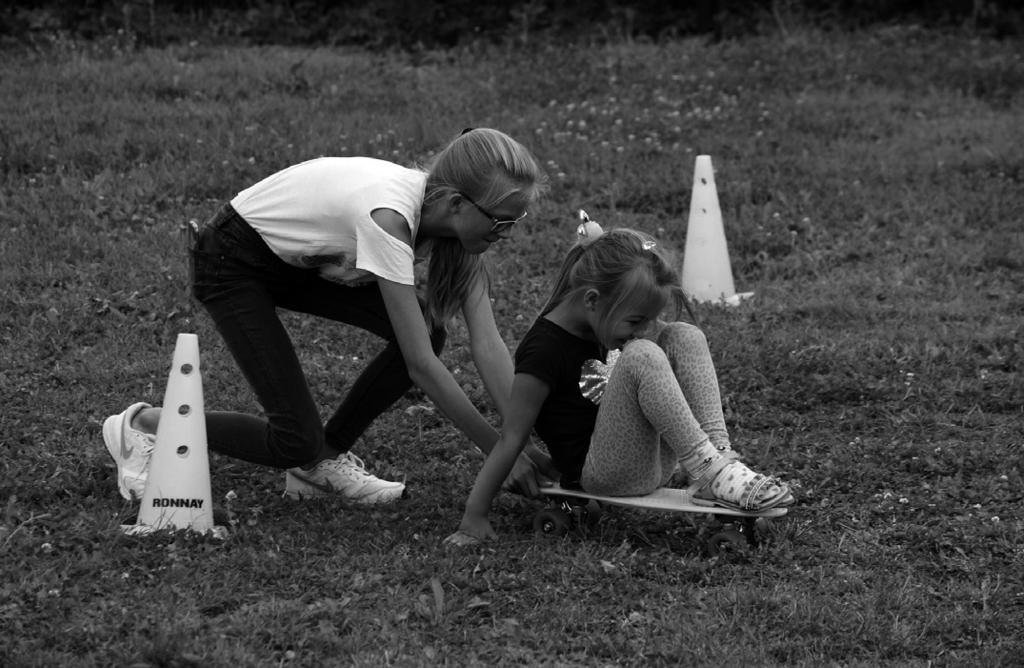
131	450
346	475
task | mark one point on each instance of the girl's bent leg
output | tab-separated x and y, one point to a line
735	485
687	350
291	435
377	388
385	379
238	280
642	401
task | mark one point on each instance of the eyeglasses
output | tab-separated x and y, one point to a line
499	226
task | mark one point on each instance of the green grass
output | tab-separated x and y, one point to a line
871	191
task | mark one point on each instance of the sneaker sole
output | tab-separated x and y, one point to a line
298	489
112	427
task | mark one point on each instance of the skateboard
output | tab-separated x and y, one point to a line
571	507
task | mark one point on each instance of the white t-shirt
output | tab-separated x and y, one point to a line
317	214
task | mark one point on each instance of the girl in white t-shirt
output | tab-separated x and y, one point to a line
338	238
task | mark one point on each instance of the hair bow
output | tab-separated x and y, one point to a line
588	230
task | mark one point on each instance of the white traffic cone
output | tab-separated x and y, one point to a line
707	273
177	495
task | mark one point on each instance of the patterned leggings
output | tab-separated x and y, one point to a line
661	404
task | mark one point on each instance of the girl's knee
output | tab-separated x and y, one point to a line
296	448
642	349
641	354
682	335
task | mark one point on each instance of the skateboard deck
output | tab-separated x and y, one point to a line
664	498
558	518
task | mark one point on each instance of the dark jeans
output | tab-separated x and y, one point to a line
242	283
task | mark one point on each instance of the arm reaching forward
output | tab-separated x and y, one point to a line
528	394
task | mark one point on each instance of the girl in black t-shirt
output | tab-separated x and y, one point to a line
659	409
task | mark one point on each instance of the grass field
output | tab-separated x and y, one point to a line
871	190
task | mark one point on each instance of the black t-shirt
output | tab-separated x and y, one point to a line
566	419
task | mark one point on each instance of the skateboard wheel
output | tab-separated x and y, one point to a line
727	541
551	522
594	512
583	516
221	517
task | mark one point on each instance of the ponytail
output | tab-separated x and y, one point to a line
563	283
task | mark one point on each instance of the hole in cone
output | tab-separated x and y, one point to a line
186	369
184	409
183	451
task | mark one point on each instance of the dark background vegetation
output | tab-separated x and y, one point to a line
419	24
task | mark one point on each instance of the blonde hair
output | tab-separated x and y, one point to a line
625	267
489	167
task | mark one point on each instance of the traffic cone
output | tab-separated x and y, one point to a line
177	495
707	274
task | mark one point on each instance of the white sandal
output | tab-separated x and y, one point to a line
737	487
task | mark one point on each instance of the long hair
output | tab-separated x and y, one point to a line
489	167
625	267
